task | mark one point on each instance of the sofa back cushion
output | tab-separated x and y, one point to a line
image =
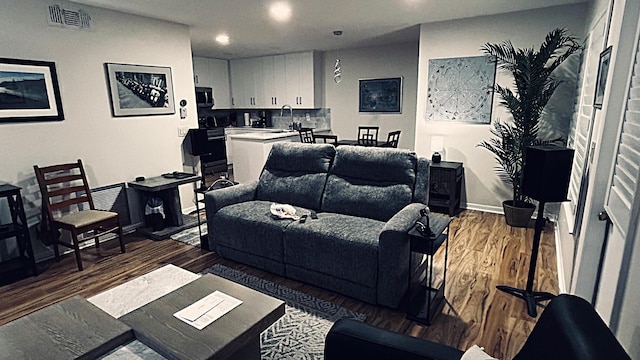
370	182
295	174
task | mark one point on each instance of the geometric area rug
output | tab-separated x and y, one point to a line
300	333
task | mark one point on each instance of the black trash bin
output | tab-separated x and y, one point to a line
154	212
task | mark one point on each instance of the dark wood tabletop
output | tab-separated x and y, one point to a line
156	326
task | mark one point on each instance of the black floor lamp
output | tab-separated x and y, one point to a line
547	171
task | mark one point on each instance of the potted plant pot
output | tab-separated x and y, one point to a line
517	215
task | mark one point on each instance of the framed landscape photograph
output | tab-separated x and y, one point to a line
380	95
601	81
138	90
29	91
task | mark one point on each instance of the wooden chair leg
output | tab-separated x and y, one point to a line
97	240
122	249
76	250
56	251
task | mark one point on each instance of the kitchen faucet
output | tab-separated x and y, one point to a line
287	106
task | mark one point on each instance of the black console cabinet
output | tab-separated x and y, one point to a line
445	185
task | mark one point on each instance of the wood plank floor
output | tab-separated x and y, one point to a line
483	252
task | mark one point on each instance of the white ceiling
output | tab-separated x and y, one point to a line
363	22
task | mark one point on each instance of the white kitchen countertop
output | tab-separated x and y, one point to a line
268	134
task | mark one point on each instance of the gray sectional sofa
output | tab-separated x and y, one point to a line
366	200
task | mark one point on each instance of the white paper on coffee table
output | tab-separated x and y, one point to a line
208	309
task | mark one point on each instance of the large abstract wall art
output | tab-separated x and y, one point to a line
461	89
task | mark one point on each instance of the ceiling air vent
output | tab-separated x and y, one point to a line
78	19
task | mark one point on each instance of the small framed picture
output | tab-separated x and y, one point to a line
601	81
138	90
381	95
29	91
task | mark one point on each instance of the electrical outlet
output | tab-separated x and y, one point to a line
182	131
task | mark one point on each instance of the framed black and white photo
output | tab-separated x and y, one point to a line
601	81
29	91
138	90
381	95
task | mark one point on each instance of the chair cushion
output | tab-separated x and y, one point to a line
370	182
295	174
83	218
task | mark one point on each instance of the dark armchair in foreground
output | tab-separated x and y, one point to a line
568	329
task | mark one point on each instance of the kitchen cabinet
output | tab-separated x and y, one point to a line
268	82
303	80
274	80
246	78
213	73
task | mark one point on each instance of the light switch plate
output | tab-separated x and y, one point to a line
182	131
183	113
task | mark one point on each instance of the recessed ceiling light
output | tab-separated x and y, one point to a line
280	11
223	39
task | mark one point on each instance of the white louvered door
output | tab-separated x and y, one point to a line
624	183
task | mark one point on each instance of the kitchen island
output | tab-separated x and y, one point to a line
250	150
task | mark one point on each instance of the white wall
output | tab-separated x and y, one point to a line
113	149
373	62
483	190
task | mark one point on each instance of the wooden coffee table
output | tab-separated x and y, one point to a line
236	335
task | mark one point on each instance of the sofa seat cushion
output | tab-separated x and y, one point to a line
295	174
370	182
338	245
249	227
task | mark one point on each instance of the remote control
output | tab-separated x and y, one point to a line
303	218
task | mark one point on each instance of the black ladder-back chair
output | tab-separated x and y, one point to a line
392	139
68	205
368	135
326	139
306	135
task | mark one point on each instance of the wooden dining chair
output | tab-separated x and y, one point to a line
368	135
306	135
69	206
326	139
392	139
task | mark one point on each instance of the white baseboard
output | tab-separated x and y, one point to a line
485	208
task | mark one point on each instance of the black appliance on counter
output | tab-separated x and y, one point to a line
214	121
204	96
264	119
209	145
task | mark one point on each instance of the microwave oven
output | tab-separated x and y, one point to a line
204	96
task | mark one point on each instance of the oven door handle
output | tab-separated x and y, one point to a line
216	138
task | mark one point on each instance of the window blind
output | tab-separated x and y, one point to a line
583	118
624	185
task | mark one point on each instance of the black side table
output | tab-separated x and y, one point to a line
445	185
17	229
425	300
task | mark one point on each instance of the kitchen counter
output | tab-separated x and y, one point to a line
251	148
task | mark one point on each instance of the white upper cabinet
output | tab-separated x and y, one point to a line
274	80
269	82
304	80
213	73
219	70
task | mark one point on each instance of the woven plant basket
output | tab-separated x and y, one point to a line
517	216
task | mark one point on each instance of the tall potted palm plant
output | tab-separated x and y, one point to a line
534	85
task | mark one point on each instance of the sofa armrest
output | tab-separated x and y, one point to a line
215	200
394	255
349	339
